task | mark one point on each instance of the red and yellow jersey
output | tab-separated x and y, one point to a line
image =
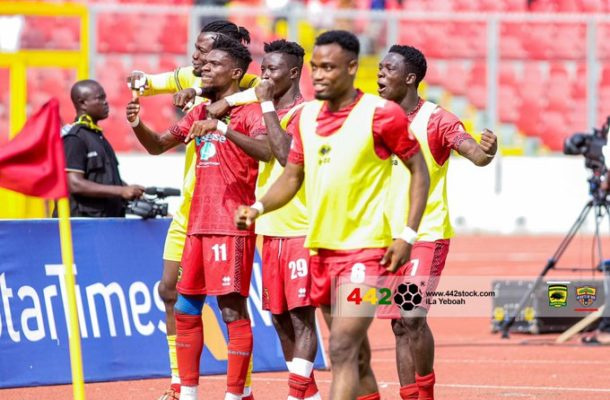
346	157
290	220
438	132
172	82
226	175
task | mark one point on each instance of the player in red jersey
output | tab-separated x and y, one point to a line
343	143
438	132
286	277
217	257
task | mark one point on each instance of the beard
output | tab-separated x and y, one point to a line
209	92
322	96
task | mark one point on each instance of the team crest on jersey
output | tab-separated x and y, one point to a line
324	154
207	147
207	151
586	295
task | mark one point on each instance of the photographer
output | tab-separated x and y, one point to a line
96	188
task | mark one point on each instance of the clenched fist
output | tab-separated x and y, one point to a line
133	110
489	142
245	216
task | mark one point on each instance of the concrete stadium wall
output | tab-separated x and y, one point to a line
512	195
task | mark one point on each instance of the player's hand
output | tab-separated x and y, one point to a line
200	128
218	109
489	142
131	192
185	99
136	80
397	255
265	90
133	109
245	216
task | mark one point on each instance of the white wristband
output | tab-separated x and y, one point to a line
267	106
136	122
221	127
408	235
198	90
258	206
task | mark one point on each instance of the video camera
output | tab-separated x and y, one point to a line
590	145
150	205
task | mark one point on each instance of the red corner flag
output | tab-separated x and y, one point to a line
33	163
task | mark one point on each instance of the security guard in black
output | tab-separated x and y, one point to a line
96	188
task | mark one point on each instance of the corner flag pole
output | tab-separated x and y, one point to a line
67	256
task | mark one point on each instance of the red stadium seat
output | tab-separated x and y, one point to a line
508	104
514	5
433	74
169	63
175	35
592	6
570	6
537	39
603	44
569	41
477	85
554	130
547	6
579	83
454	78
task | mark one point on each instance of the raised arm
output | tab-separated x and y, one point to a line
482	153
279	140
153	142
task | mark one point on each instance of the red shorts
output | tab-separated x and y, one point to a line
355	266
216	265
286	277
424	269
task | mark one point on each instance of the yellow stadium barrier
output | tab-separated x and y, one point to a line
15	205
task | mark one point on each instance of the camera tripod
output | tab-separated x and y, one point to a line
601	207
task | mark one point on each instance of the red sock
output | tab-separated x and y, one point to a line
189	344
240	351
312	388
409	392
297	385
372	396
175	387
426	386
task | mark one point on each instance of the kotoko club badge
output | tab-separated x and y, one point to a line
558	294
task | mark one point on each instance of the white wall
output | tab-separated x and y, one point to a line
537	194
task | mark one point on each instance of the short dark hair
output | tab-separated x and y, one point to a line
236	50
286	47
414	60
346	40
228	28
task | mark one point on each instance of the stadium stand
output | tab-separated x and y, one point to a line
542	82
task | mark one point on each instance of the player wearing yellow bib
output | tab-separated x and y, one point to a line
185	83
286	277
342	144
438	132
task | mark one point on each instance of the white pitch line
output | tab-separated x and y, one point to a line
472	361
539	388
454	385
